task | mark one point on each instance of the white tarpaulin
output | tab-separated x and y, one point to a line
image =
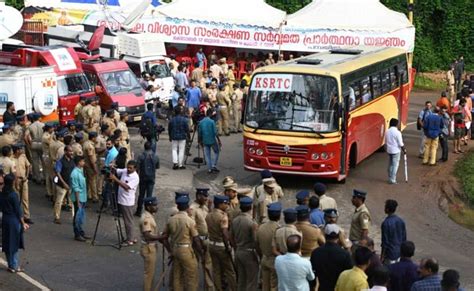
324	24
246	12
122	5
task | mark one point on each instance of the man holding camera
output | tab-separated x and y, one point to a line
127	186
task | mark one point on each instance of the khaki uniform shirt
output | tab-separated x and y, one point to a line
199	213
116	117
8	165
223	99
86	115
181	228
110	122
217	220
22	165
56	150
450	78
326	202
262	199
7	140
46	140
125	135
237	98
19	133
78	113
89	155
95	114
77	149
35	130
265	235
243	231
148	224
196	74
234	208
360	221
281	234
212	95
100	146
312	236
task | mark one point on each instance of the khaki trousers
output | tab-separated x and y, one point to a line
61	193
48	175
222	268
36	161
24	198
269	276
223	122
185	269
91	179
148	253
431	147
247	269
237	112
209	284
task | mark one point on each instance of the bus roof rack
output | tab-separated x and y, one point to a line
309	61
346	51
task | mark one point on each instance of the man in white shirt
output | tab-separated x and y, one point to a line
394	145
293	272
127	186
381	278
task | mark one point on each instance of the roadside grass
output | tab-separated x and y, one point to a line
424	82
461	209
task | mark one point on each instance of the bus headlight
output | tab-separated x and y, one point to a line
122	109
259	152
324	156
315	156
252	151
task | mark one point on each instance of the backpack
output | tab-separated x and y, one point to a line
458	118
146	128
148	166
419	122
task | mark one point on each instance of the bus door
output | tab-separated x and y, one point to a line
344	114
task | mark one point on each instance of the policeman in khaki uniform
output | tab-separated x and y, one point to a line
237	97
282	233
330	216
243	231
302	197
100	150
312	235
6	161
224	103
92	115
219	244
150	237
33	139
71	127
125	141
114	106
78	109
7	138
230	190
181	233
56	147
77	145
46	140
267	193
22	171
19	129
199	212
361	219
109	120
265	234
90	169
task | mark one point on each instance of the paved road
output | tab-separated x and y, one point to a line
58	262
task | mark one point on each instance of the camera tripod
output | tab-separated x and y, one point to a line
187	151
109	191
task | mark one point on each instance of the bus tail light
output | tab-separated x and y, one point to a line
315	156
259	152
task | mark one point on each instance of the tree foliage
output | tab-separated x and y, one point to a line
444	29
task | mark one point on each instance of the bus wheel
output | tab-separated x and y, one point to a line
353	157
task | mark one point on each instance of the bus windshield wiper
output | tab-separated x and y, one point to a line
262	122
305	127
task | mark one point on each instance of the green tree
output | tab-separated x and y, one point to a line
18	4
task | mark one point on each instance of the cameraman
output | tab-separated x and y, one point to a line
127	186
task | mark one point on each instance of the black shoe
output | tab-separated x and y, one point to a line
214	169
175	167
79	238
182	168
85	236
138	214
29	221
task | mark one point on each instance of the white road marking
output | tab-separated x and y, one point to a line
26	277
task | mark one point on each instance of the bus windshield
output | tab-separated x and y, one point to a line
292	102
120	81
73	84
160	69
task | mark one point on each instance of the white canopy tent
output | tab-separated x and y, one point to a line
125	6
348	15
243	12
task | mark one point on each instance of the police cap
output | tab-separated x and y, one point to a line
18	146
319	188
71	123
359	193
302	210
92	134
180	194
290	213
266	174
246	201
274	207
301	195
6	126
79	135
20	118
330	212
202	191
218	199
150	201
182	200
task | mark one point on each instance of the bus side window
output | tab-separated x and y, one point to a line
403	69
92	78
357	97
386	85
135	69
376	85
394	77
365	90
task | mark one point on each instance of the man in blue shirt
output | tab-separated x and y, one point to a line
208	138
430	280
193	97
181	78
148	126
421	119
201	57
293	271
178	130
405	272
316	216
393	234
79	198
111	153
432	127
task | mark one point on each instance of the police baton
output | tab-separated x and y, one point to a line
163	274
406	166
